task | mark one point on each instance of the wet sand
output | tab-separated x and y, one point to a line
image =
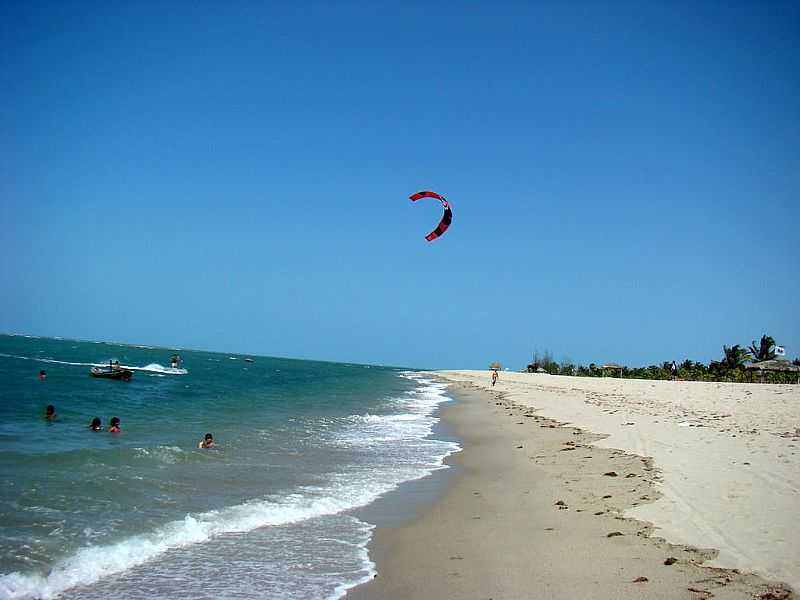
537	510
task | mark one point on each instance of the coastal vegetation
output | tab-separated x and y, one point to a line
732	366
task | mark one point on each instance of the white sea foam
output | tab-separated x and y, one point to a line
157	368
367	565
92	563
164	454
415	424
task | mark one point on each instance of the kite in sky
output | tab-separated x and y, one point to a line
447	217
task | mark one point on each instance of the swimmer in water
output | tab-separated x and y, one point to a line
113	426
42	374
96	424
206	442
50	413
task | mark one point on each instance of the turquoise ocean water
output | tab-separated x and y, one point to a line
144	513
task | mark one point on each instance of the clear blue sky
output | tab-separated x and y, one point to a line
624	177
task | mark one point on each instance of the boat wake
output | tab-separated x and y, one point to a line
151	368
157	368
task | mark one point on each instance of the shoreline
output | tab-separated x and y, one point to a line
531	511
411	498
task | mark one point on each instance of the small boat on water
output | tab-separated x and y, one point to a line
111	373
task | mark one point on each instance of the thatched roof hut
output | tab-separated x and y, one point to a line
775	365
495	366
613	367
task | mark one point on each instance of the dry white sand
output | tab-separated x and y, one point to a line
729	455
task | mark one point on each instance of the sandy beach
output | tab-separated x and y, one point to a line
606	488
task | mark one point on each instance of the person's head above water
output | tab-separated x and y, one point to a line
42	374
113	425
96	424
50	411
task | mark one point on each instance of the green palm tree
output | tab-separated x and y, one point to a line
735	356
765	350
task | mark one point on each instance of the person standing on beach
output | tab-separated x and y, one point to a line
674	370
494	377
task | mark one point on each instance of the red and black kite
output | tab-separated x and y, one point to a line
447	217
